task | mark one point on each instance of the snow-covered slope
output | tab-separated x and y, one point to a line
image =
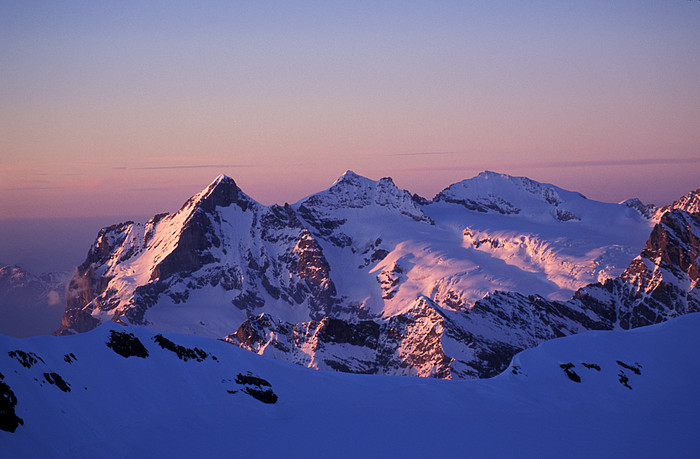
420	281
542	232
598	394
29	304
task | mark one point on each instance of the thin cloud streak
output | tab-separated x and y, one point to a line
562	164
192	166
424	153
152	189
609	162
33	188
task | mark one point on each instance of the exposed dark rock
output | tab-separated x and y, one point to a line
256	387
252	380
193	248
248	300
323	227
493	358
9	421
420	200
379	255
389	279
264	395
56	380
311	266
76	321
126	345
223	193
69	358
570	373
645	210
182	352
27	359
87	283
363	333
565	215
551	196
689	203
250	335
624	380
494	203
634	369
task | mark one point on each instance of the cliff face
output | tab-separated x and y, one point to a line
660	283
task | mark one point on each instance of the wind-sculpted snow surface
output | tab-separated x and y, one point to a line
597	394
364	277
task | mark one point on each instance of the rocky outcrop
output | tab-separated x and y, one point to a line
405	344
661	283
689	203
490	202
491	192
645	210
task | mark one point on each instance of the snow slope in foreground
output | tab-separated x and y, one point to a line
162	405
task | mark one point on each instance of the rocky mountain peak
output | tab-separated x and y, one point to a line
689	203
349	177
353	191
222	192
491	192
673	246
14	275
646	210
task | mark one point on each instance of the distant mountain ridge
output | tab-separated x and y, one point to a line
365	277
30	304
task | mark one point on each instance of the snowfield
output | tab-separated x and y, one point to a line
637	396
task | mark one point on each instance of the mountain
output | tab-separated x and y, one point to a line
125	392
203	269
429	340
689	203
365	277
658	284
29	304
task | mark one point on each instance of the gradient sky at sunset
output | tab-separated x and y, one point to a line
128	108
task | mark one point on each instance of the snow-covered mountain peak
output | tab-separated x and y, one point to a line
689	203
222	192
353	191
491	192
350	177
646	210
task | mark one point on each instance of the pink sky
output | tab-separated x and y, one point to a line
130	108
